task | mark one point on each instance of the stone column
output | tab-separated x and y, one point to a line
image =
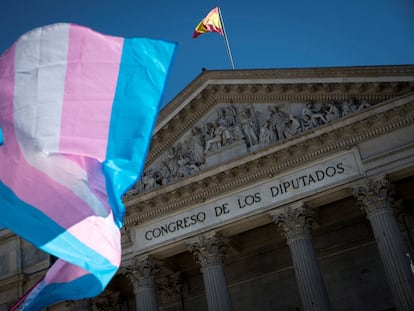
142	273
375	198
406	222
295	223
209	251
169	289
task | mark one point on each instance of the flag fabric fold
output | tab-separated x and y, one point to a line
77	110
211	23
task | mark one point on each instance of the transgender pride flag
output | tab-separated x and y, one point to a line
77	110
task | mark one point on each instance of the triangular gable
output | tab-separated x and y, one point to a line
232	114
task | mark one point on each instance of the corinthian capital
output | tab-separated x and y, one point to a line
294	221
169	288
374	195
208	249
142	271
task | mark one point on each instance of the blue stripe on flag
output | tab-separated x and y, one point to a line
43	232
143	72
76	289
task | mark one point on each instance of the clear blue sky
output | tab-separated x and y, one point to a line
262	33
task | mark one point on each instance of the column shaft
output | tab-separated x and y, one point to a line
217	292
145	298
209	250
394	257
308	276
376	200
295	223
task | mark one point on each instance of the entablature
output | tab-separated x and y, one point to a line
344	133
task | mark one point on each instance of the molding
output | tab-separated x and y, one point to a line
267	76
341	135
181	121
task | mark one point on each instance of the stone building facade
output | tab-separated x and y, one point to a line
277	189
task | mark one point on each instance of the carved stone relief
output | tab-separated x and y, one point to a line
234	129
295	222
142	272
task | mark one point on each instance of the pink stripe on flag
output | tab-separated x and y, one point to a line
59	272
56	201
60	204
88	59
101	235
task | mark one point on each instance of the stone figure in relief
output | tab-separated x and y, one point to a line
226	132
267	134
278	119
350	106
363	105
248	127
148	180
164	173
226	123
230	114
183	160
311	118
332	112
187	161
214	134
347	107
223	131
293	127
172	160
197	146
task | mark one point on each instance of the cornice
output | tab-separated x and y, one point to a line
256	93
309	146
340	74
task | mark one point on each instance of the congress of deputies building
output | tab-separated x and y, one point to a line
274	189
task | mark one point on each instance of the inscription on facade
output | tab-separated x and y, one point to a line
291	186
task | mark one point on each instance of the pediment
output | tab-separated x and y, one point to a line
224	119
230	131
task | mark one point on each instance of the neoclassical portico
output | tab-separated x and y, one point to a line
253	164
374	196
266	190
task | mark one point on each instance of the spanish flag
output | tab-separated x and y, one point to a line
211	23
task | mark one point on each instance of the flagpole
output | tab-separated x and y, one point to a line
226	40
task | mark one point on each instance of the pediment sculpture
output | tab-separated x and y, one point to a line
231	130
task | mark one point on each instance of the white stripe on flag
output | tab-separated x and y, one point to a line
40	81
38	104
